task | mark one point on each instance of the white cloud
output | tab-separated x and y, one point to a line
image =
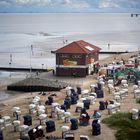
26	2
75	4
119	3
81	4
68	3
72	3
108	4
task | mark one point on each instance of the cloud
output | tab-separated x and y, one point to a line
119	3
66	2
108	4
26	2
72	5
33	2
82	4
75	3
69	3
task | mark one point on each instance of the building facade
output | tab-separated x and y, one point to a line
78	58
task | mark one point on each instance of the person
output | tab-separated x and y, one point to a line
37	73
53	72
96	127
106	104
128	76
84	119
96	115
108	46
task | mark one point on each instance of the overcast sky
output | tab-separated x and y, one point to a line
69	6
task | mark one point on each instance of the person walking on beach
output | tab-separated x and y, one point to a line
108	46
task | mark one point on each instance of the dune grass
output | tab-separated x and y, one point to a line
127	129
138	101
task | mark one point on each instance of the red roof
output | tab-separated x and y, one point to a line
78	47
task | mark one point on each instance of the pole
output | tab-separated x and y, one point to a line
108	46
10	57
10	68
32	51
31	67
10	62
30	60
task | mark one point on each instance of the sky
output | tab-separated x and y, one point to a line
58	6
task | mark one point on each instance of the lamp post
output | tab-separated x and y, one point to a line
11	58
10	62
10	68
31	47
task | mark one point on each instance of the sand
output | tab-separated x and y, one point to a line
22	100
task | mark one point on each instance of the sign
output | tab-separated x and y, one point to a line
67	62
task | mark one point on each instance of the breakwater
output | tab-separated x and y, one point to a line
34	84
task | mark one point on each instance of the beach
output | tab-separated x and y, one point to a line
22	100
26	41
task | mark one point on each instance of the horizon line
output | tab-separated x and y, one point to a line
72	12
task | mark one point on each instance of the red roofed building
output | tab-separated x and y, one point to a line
78	58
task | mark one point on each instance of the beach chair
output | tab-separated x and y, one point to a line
27	120
7	121
39	131
86	104
73	99
16	112
135	114
96	128
32	108
84	137
69	136
79	90
102	105
1	135
113	108
84	119
67	116
24	138
50	100
50	126
72	91
65	129
23	129
43	118
67	102
32	134
16	124
99	86
100	93
74	124
63	107
1	124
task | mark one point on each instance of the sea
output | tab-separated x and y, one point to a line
27	39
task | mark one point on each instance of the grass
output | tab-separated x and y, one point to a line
127	129
138	101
